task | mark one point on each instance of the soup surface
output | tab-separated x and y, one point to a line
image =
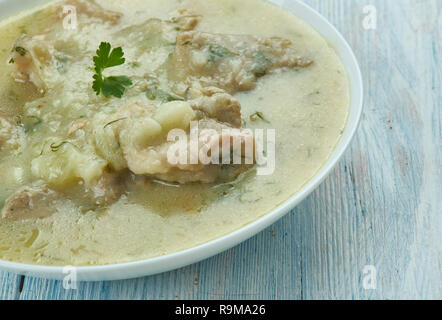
86	177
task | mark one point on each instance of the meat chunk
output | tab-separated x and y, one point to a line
155	162
30	203
149	35
30	57
91	9
141	133
230	62
216	103
155	34
41	59
107	190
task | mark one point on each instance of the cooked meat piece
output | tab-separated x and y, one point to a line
141	132
155	33
231	62
40	59
150	34
108	189
216	103
29	57
92	9
30	203
154	160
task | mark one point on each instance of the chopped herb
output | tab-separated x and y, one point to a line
43	149
20	50
217	53
115	86
134	64
112	122
55	147
105	58
155	93
261	64
186	93
12	60
258	115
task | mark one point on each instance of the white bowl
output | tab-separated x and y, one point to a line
189	256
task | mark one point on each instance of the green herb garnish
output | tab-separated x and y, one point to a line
217	53
20	50
261	64
155	93
258	115
55	147
105	58
112	122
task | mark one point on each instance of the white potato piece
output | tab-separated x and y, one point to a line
66	165
142	132
107	146
174	115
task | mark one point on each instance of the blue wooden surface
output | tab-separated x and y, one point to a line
381	206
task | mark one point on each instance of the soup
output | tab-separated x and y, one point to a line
91	91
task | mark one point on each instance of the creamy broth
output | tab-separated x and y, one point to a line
306	105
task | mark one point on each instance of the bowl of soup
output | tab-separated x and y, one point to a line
139	139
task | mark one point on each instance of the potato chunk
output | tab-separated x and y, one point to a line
174	115
65	164
142	132
107	146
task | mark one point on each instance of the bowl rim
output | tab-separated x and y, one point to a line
173	261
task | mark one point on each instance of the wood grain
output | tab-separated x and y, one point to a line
381	206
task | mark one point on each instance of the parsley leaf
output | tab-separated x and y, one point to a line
105	58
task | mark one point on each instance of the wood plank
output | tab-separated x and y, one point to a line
9	286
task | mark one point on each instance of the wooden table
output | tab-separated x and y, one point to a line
381	206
